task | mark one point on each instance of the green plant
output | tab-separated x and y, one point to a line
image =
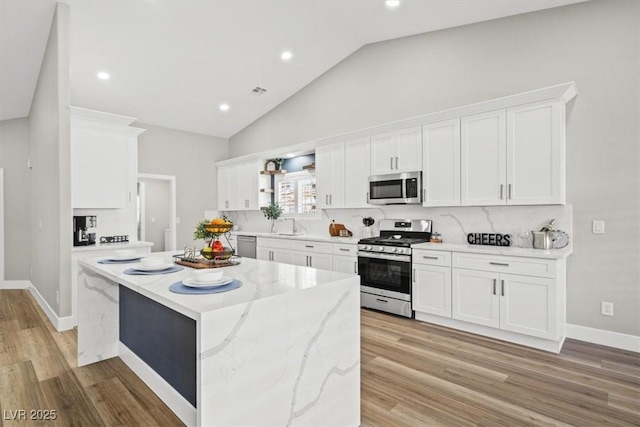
279	163
273	211
201	232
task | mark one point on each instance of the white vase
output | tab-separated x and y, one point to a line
273	225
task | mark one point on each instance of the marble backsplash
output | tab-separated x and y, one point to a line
453	223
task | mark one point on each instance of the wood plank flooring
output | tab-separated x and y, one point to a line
413	374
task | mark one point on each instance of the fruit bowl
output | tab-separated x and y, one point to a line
224	254
219	228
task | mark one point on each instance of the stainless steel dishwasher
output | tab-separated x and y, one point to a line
247	246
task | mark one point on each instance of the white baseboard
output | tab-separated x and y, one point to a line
602	337
15	284
60	323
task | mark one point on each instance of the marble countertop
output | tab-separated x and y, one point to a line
111	246
260	279
313	237
498	250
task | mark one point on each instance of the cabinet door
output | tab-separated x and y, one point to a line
320	261
99	168
383	154
432	290
247	186
357	167
528	305
345	264
281	255
483	159
475	297
330	176
408	155
441	163
264	254
300	258
535	154
227	195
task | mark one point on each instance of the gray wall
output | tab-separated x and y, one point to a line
14	152
190	157
49	150
594	44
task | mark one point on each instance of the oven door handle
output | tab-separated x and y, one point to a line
389	257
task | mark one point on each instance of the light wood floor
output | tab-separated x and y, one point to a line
413	374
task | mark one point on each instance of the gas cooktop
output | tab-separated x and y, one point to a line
393	241
401	232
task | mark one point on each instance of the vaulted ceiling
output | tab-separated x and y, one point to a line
174	63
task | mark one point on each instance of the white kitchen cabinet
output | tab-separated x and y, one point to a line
345	258
104	162
511	302
311	254
514	156
357	168
395	152
483	159
273	249
441	164
432	289
330	176
536	154
238	188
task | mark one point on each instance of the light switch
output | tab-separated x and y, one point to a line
153	219
598	227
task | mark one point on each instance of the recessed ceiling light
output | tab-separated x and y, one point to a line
224	107
286	55
392	4
290	155
102	75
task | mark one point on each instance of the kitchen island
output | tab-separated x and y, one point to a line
283	349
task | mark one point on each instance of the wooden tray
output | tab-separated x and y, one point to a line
203	263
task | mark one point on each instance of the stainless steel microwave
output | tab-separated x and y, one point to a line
396	189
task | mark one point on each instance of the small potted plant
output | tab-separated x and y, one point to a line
279	163
272	212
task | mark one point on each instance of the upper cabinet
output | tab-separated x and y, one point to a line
441	163
104	161
514	156
238	186
330	173
395	152
357	168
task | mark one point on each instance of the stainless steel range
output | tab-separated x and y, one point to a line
384	265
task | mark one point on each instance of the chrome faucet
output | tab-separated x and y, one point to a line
295	228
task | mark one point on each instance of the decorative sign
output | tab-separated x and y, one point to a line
489	239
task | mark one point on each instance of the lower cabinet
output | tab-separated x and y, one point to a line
511	302
518	299
312	259
345	258
270	249
431	287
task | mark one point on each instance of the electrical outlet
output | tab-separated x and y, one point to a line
606	308
597	227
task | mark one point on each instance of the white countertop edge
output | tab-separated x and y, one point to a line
153	287
498	250
111	246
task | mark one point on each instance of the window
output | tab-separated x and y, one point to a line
296	193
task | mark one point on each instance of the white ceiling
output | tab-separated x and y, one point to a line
172	63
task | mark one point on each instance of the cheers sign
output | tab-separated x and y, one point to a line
489	239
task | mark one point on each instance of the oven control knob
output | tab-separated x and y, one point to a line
400	250
394	249
368	248
380	248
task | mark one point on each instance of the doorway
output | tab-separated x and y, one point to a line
157	211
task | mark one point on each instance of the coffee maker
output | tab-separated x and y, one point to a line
80	226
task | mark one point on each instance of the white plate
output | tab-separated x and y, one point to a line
156	267
193	283
125	258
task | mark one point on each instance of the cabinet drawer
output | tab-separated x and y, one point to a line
343	249
267	242
428	257
310	246
506	264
